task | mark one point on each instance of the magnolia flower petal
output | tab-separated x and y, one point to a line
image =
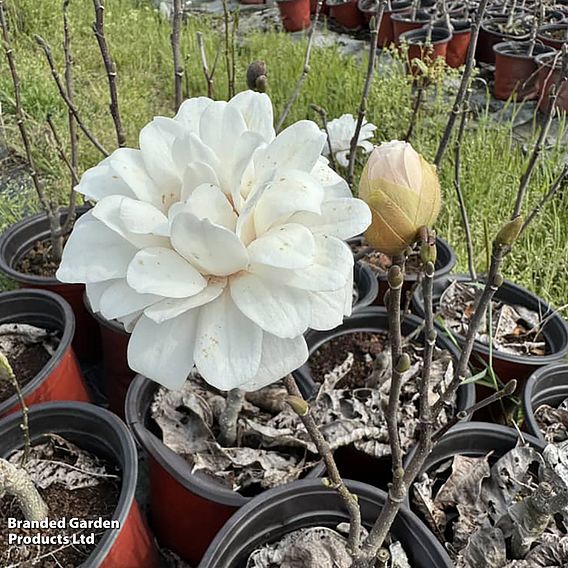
327	309
94	253
288	246
127	164
164	352
298	147
120	299
342	218
211	248
173	307
291	192
208	202
279	358
228	346
129	321
234	173
190	111
94	292
163	272
256	109
366	145
342	158
101	181
139	217
197	174
109	212
276	308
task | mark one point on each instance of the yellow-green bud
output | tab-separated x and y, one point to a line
509	232
299	405
395	276
403	363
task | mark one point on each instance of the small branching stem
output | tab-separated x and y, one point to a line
418	98
305	70
229	419
323	115
362	112
349	500
110	67
208	73
176	53
63	94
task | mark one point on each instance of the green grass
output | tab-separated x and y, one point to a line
492	161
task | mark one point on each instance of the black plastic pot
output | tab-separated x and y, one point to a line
102	433
60	378
367	286
15	242
445	262
506	365
303	504
545	34
186	509
548	385
352	463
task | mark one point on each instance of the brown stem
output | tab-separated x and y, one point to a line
110	67
176	51
305	70
62	155
366	87
229	418
230	78
323	115
205	66
63	94
349	500
415	110
74	164
464	84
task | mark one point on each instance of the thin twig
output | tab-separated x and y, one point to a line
366	87
205	66
63	94
176	51
323	115
458	188
305	70
74	163
464	84
229	418
230	78
110	67
61	153
415	109
349	500
557	184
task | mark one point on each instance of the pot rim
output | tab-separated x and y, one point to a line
489	20
408	36
528	394
501	47
12	232
125	450
364	273
315	339
400	17
68	321
113	325
197	483
295	490
535	360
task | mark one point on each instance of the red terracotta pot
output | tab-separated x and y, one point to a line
347	14
386	32
186	509
418	48
401	23
117	374
459	44
60	378
295	14
100	432
14	243
515	71
488	37
545	31
547	78
249	2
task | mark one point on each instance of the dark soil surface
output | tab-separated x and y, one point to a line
379	263
37	261
365	347
83	504
26	362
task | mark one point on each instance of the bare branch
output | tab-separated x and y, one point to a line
229	418
305	70
323	115
61	153
349	500
176	51
366	87
208	73
99	30
63	93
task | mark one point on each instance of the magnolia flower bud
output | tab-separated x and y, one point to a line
403	193
257	76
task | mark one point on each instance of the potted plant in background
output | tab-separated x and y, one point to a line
295	14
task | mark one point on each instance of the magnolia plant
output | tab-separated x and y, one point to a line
217	243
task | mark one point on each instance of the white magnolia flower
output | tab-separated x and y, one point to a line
217	243
341	131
